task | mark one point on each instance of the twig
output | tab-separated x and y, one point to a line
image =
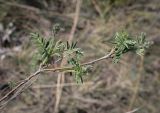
101	58
76	18
64	85
92	101
61	69
137	84
29	78
19	85
97	8
61	76
133	111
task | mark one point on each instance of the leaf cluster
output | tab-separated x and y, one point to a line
48	49
74	59
124	43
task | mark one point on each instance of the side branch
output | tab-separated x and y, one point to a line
101	58
53	70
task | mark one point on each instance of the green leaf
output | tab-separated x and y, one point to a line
125	43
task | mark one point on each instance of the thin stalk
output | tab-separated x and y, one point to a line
60	69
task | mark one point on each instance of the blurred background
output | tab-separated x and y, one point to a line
131	84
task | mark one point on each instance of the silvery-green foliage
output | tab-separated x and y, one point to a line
124	43
142	44
75	55
49	49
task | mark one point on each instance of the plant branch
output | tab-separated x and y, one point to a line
101	58
20	84
60	69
